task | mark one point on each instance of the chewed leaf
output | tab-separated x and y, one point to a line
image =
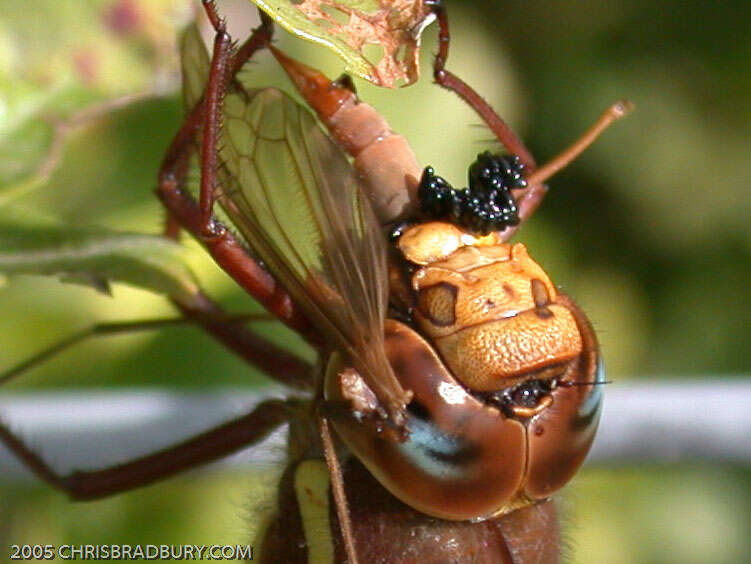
93	256
349	26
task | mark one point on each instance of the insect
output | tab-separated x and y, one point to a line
451	367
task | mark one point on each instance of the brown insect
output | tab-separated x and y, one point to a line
451	367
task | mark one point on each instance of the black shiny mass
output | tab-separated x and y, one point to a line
487	205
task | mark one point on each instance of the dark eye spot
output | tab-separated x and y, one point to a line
437	303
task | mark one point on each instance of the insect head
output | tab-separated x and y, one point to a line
504	371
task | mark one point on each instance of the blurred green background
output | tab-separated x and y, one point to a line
649	230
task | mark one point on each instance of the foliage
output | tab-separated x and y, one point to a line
649	230
93	256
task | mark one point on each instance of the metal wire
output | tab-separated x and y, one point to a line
666	422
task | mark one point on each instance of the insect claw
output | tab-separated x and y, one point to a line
214	233
267	23
345	81
217	22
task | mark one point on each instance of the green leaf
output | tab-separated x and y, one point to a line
92	255
347	27
60	58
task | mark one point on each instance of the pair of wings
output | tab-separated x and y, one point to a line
296	200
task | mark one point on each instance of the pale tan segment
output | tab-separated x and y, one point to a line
355	125
391	176
386	163
312	491
433	241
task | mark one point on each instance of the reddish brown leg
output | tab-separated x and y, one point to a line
615	112
206	447
209	446
450	81
530	200
212	119
532	197
283	366
277	363
195	217
232	257
337	489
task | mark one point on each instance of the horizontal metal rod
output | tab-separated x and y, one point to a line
667	422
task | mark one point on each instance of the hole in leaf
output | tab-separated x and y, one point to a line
338	16
373	52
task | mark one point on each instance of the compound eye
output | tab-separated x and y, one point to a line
437	303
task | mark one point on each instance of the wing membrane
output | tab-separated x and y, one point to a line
296	200
194	64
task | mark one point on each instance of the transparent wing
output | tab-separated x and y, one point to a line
194	64
296	200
